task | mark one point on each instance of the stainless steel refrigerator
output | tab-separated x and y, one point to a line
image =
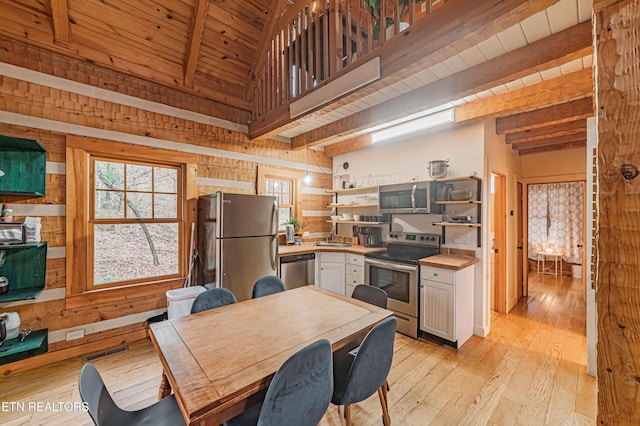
237	240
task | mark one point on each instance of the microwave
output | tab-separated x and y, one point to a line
412	197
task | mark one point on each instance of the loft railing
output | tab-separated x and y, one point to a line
317	39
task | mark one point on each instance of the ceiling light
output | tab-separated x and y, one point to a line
429	121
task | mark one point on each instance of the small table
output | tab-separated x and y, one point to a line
220	362
557	258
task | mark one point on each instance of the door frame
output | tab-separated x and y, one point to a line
499	215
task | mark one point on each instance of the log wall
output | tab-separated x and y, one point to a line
48	112
617	24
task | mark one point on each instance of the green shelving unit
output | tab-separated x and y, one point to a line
16	349
25	266
23	165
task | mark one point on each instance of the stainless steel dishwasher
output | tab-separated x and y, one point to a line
298	270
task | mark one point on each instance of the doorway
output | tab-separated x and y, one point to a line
498	213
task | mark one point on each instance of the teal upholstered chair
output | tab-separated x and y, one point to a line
104	411
267	285
358	377
212	298
299	393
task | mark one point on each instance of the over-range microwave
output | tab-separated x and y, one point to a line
412	197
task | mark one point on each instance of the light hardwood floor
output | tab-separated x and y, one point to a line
530	370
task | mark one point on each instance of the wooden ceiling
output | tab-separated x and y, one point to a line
211	48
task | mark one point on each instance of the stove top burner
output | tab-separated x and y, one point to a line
408	248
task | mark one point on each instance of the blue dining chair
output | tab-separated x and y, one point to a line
356	378
267	285
211	299
299	393
104	411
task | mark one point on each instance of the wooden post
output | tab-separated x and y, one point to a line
618	247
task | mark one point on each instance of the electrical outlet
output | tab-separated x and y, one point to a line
75	334
305	234
461	239
423	7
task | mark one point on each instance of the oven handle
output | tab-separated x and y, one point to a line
390	265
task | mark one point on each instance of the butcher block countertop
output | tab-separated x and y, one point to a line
448	261
309	247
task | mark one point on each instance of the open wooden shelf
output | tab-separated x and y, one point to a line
356	206
358	222
357	190
454	178
467	225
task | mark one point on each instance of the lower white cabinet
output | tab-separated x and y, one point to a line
330	272
446	303
354	272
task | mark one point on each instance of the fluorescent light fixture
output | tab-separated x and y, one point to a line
364	74
433	120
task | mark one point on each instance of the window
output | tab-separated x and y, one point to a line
283	184
129	215
134	214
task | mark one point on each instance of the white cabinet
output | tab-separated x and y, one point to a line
330	273
446	303
354	272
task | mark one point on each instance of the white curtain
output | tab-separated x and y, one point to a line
555	219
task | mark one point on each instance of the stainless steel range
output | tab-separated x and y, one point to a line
396	271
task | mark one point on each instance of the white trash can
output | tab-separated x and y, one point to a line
576	271
179	301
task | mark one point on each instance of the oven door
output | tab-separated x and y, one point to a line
400	282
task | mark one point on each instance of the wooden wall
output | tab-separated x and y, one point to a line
617	24
36	107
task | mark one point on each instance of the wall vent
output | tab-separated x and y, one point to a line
103	354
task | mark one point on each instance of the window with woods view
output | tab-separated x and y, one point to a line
134	221
282	189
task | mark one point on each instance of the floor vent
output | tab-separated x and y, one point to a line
103	354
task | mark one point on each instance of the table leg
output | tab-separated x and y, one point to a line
165	387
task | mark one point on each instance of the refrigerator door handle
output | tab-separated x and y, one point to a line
275	217
274	253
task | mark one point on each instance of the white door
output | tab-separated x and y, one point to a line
332	277
437	309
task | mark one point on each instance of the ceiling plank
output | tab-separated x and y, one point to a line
574	85
572	145
350	145
557	130
200	11
453	28
575	42
550	141
60	17
265	41
562	113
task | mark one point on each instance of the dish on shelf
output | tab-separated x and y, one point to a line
460	195
336	217
347	216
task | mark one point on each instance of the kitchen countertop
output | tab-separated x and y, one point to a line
448	261
309	247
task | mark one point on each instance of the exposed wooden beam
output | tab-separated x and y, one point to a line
557	140
60	17
200	10
438	36
574	85
350	145
562	113
557	130
261	51
572	145
572	43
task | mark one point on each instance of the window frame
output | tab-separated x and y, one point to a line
79	152
272	173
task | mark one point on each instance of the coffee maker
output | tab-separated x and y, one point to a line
372	236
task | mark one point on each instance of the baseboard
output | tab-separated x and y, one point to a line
481	331
51	357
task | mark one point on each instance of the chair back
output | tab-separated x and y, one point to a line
211	299
371	294
301	390
93	391
371	364
267	285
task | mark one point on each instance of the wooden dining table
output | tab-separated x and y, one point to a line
220	362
